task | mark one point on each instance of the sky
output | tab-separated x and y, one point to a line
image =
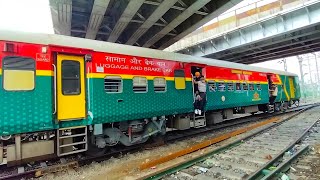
35	16
26	15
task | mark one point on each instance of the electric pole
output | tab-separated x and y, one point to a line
311	82
317	70
302	77
285	64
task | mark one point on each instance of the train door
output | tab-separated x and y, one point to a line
292	89
269	80
71	104
194	70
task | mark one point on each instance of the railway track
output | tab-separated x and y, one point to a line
265	154
41	168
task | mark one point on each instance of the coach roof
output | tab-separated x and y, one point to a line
53	39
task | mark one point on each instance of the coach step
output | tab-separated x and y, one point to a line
72	140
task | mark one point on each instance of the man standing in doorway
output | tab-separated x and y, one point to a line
202	86
196	79
273	93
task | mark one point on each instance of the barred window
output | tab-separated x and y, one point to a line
230	87
18	73
251	87
245	86
238	87
113	84
160	85
212	86
140	84
221	86
259	87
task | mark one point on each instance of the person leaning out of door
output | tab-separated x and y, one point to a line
196	79
273	93
202	86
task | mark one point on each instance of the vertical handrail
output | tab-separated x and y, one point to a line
194	98
55	88
88	87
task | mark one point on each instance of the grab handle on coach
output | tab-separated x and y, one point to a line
194	97
55	88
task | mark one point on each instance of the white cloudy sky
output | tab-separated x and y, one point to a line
26	15
35	16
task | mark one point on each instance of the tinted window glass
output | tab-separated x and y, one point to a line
18	73
258	86
221	86
238	86
245	86
230	87
212	86
179	73
251	87
179	79
70	71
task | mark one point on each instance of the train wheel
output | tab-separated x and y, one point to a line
93	150
155	141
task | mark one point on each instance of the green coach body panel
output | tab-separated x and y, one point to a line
31	111
284	89
128	105
27	111
229	99
297	88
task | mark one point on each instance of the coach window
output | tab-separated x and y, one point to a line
179	79
238	87
259	87
159	85
251	87
221	86
212	86
140	84
113	84
230	87
70	71
245	86
18	73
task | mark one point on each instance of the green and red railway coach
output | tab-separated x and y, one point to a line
64	95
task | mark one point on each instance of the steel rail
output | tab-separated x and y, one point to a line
159	175
173	136
285	163
258	173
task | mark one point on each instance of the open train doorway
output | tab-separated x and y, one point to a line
199	93
196	73
269	77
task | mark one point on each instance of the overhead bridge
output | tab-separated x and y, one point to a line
258	32
147	23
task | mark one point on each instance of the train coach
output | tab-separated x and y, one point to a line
63	95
